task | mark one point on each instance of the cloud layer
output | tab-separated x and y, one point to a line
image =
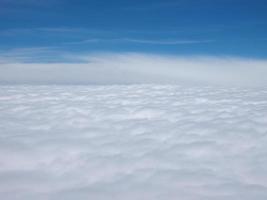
132	142
134	68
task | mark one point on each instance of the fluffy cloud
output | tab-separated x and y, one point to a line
137	68
132	142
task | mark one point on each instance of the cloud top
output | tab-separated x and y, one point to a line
132	142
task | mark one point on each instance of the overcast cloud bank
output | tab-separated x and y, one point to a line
137	68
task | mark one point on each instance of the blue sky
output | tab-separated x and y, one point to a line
139	41
177	27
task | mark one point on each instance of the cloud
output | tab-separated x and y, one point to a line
132	142
127	68
101	35
144	41
34	54
46	30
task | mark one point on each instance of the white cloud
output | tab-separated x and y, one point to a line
132	142
141	41
167	42
137	68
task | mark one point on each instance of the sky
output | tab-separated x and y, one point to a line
63	31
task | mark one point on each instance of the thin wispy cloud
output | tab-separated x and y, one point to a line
142	41
167	42
44	30
30	54
102	36
83	30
